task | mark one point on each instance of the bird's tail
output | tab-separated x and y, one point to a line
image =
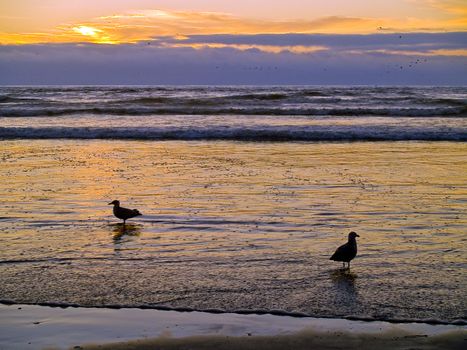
136	211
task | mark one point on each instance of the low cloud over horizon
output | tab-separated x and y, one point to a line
386	59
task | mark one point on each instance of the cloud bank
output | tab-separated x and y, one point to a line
383	59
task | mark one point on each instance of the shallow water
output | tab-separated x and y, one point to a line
231	225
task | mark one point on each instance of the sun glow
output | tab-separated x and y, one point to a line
87	31
98	35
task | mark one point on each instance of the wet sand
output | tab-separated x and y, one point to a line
38	327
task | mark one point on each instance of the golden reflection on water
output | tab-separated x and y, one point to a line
244	211
328	189
128	230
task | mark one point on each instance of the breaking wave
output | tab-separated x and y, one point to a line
253	134
193	109
428	113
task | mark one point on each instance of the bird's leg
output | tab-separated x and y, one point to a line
343	265
348	265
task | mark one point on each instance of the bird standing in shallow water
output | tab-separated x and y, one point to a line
346	252
124	213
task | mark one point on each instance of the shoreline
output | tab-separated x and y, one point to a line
45	327
258	312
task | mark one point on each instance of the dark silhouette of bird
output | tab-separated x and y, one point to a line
124	213
346	252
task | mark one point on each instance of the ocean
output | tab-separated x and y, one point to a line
245	193
235	113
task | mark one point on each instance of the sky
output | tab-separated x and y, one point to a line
398	42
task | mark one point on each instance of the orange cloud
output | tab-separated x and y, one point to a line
457	7
146	25
437	52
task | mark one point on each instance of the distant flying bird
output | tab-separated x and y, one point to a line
124	213
346	252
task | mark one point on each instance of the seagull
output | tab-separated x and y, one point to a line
346	252
124	213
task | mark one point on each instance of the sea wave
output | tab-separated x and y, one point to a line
252	134
259	96
230	100
11	99
196	110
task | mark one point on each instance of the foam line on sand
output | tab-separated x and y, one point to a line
39	327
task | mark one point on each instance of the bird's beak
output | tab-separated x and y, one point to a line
357	235
110	203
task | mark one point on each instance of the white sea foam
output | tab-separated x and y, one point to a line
27	326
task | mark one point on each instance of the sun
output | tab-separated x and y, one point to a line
87	31
98	35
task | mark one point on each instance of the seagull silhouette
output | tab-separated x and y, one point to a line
124	213
346	252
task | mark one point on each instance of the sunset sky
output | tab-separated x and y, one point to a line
238	42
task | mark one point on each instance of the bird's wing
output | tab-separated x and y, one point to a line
339	251
127	212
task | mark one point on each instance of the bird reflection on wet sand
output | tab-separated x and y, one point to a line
346	294
343	276
120	231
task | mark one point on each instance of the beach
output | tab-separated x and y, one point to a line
241	213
